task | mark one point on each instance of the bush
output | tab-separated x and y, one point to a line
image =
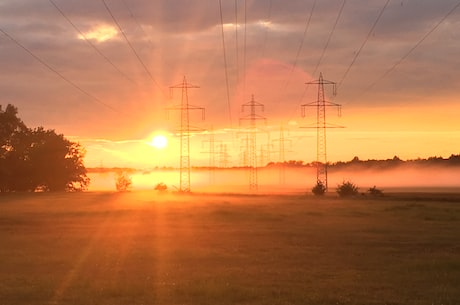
319	189
123	182
347	189
161	187
374	191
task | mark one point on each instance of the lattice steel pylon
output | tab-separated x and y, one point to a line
212	156
320	104
244	151
184	133
252	117
282	155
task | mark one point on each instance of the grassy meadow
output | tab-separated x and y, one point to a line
148	248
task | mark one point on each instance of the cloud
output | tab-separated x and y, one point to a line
100	33
177	38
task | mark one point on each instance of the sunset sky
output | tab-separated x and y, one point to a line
99	72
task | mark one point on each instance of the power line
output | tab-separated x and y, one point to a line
364	43
236	42
412	49
330	36
307	25
225	65
245	45
57	72
130	45
269	17
88	41
136	20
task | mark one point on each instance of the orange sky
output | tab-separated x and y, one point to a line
71	67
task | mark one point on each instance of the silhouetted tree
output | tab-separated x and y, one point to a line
41	159
10	126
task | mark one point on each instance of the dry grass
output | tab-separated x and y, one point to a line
144	248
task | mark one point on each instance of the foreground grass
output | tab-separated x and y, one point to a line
142	248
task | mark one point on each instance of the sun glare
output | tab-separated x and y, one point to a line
159	141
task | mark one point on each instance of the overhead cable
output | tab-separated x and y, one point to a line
89	41
131	46
225	64
330	36
363	44
404	57
95	99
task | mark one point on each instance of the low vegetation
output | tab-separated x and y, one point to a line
375	192
161	187
123	182
347	189
319	189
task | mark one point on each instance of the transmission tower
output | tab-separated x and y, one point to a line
212	156
320	104
282	155
244	151
223	156
184	132
266	151
264	155
252	117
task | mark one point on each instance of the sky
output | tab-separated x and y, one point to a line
101	72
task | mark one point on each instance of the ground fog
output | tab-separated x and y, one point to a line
294	180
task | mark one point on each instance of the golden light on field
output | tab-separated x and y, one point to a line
159	141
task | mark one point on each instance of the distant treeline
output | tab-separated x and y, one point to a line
356	163
453	160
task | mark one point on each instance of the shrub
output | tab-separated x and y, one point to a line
319	189
374	191
347	189
161	187
123	182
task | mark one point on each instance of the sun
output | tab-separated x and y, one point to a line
159	141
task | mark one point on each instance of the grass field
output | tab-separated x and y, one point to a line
145	248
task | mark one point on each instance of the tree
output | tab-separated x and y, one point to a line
57	162
33	159
9	124
10	163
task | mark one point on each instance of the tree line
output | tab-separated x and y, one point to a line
37	159
453	160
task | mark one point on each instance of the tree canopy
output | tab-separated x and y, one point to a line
38	159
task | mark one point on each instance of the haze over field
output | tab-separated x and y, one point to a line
100	71
407	178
